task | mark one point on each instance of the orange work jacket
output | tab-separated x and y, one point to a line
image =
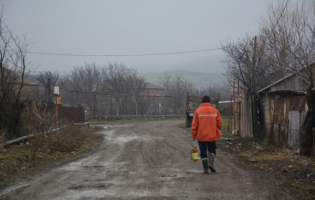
206	123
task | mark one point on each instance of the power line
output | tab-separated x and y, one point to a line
123	55
283	10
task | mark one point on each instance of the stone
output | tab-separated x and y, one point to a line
4	151
23	168
290	166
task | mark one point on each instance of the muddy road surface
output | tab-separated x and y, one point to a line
147	160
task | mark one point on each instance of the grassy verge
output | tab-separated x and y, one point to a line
224	129
295	173
123	120
21	160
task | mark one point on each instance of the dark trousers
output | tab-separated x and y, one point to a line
207	146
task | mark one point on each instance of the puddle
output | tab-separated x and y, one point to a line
97	180
96	168
90	187
123	139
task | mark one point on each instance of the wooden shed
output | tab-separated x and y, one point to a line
283	109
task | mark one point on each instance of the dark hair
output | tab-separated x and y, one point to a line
205	99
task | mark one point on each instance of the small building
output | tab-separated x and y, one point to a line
13	81
152	90
283	109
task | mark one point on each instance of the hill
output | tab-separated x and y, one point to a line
202	80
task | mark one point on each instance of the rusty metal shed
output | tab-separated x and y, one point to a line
283	112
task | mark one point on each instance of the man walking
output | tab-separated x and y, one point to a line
205	128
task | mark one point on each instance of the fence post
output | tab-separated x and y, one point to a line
116	106
174	107
111	104
126	105
136	106
94	106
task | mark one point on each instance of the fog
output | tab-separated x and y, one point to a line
131	27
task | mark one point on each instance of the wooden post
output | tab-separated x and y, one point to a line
111	104
174	107
49	90
126	105
245	128
94	106
218	104
230	116
234	103
116	106
56	108
239	108
136	107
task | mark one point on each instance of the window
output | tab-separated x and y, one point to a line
152	93
147	93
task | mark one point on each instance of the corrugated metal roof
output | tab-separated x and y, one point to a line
275	82
280	80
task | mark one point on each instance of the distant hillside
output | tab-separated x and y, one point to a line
202	80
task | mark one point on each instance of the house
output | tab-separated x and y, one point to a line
12	81
283	109
152	90
153	99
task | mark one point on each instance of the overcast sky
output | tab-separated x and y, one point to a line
117	27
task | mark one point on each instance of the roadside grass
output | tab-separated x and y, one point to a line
224	129
21	160
294	172
125	120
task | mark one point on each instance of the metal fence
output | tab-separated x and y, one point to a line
98	104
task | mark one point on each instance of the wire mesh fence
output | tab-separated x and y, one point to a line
105	104
99	105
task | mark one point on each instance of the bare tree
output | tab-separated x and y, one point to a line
48	79
246	62
122	83
13	69
85	78
290	39
177	87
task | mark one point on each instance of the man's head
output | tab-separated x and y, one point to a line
205	99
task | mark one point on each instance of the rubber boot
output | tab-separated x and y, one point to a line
205	165
211	162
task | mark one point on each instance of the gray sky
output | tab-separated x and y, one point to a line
104	27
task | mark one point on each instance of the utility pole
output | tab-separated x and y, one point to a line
253	87
48	90
254	65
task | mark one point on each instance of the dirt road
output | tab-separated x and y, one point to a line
147	160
